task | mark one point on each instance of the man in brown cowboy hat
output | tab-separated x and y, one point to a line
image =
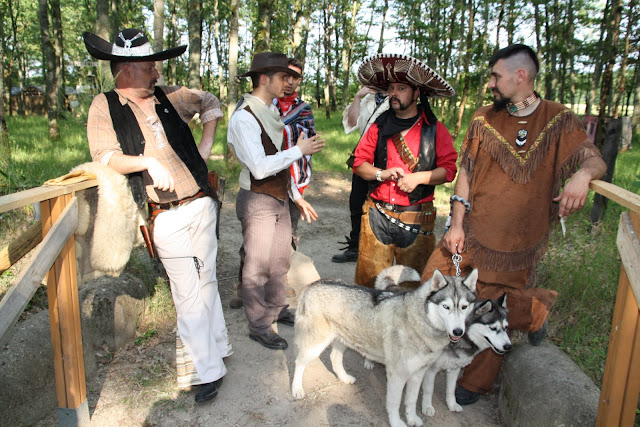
404	154
141	130
255	134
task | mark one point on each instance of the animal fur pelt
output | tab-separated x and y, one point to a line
108	222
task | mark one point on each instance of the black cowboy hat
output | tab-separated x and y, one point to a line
264	62
378	71
131	45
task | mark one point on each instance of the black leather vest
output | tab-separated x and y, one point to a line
426	159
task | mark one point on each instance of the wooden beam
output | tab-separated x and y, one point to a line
25	285
64	317
619	195
40	194
629	248
21	246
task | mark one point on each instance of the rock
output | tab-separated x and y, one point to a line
542	386
110	308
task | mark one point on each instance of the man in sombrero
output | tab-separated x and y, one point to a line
256	134
404	154
141	130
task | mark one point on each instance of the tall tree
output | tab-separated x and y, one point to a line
172	40
599	59
5	146
262	38
349	33
233	56
301	9
104	80
385	8
50	64
611	48
195	43
158	33
328	29
467	60
636	96
619	94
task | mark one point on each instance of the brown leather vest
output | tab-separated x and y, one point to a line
275	185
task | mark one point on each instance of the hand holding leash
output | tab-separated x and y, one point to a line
457	258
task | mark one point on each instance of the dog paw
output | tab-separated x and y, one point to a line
414	420
368	364
455	408
347	379
297	393
429	410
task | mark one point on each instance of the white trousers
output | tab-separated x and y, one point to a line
185	240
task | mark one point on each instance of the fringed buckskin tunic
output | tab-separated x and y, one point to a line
511	191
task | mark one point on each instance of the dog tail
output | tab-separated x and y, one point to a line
394	276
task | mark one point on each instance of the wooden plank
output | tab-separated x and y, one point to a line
623	327
619	195
70	333
40	194
632	389
629	248
21	246
52	210
25	285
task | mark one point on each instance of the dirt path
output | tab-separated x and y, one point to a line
136	386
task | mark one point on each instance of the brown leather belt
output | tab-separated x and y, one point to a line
423	213
156	208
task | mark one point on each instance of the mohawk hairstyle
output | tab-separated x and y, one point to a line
515	49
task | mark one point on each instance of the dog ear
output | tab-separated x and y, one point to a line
484	308
471	280
437	281
503	300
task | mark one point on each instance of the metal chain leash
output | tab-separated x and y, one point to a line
457	258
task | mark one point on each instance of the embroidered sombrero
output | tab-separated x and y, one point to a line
378	71
131	45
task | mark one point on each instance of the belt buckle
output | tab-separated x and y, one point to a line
389	207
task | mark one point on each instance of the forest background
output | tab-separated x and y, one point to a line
588	50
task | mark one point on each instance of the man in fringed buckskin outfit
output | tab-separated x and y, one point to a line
256	135
404	154
515	158
141	130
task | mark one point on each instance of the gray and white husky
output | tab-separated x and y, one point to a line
406	331
487	328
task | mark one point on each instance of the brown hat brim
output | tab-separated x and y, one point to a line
265	70
380	70
99	48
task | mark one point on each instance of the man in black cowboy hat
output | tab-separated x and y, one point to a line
255	134
140	129
404	154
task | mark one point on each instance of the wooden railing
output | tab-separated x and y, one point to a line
621	382
55	255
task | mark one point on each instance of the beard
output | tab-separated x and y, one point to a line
500	101
401	106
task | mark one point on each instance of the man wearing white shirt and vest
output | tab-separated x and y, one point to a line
255	134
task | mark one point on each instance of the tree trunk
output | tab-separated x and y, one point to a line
385	8
572	54
347	51
233	68
50	60
625	59
104	79
5	146
300	31
158	34
597	72
511	21
56	23
222	86
172	40
611	47
195	43
262	38
636	99
326	19
467	61
484	78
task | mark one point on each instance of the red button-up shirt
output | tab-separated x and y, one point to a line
388	191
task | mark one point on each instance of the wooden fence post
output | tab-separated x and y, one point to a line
64	317
621	382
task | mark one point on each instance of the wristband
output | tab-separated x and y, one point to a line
379	175
456	198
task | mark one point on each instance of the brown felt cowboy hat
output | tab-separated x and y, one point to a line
378	71
131	45
264	62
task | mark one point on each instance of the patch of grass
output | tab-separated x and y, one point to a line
144	337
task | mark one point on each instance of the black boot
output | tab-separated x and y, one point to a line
350	253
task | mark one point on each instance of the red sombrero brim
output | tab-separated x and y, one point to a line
380	70
99	48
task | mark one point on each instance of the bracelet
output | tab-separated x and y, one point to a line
379	175
456	198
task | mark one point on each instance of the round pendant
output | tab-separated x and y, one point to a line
521	139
